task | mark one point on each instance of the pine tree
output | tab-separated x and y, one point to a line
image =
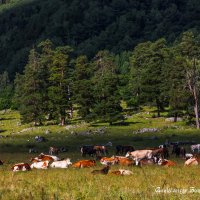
29	91
82	87
59	82
147	81
105	88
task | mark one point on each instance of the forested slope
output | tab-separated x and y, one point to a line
89	25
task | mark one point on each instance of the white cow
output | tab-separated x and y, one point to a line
125	172
139	155
40	165
188	156
195	146
61	164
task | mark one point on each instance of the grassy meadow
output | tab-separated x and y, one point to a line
149	182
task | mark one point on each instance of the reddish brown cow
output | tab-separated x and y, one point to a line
43	157
124	161
166	163
84	163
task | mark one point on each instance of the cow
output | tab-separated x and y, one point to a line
53	151
123	149
194	147
36	159
40	165
146	161
103	171
88	150
188	156
109	161
61	164
161	152
191	161
84	163
176	150
101	150
122	160
182	152
43	157
122	172
166	163
21	167
139	155
32	150
1	162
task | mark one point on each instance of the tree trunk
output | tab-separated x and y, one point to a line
175	117
158	107
196	107
62	121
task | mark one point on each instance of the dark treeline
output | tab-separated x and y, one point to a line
55	81
89	26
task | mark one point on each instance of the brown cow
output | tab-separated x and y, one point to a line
43	157
167	163
124	161
100	150
21	167
84	163
101	171
109	161
53	150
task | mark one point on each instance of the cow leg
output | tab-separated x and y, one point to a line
136	161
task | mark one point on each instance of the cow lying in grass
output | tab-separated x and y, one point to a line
191	161
43	157
21	167
84	163
146	161
109	161
166	163
61	164
122	172
122	160
102	171
40	165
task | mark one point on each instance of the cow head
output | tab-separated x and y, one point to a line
68	161
128	154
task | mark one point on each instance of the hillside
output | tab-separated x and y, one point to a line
89	26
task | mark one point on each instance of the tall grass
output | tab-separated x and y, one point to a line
80	184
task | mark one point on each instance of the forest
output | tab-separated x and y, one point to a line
58	57
54	82
89	26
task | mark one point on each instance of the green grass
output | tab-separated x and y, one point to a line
80	183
